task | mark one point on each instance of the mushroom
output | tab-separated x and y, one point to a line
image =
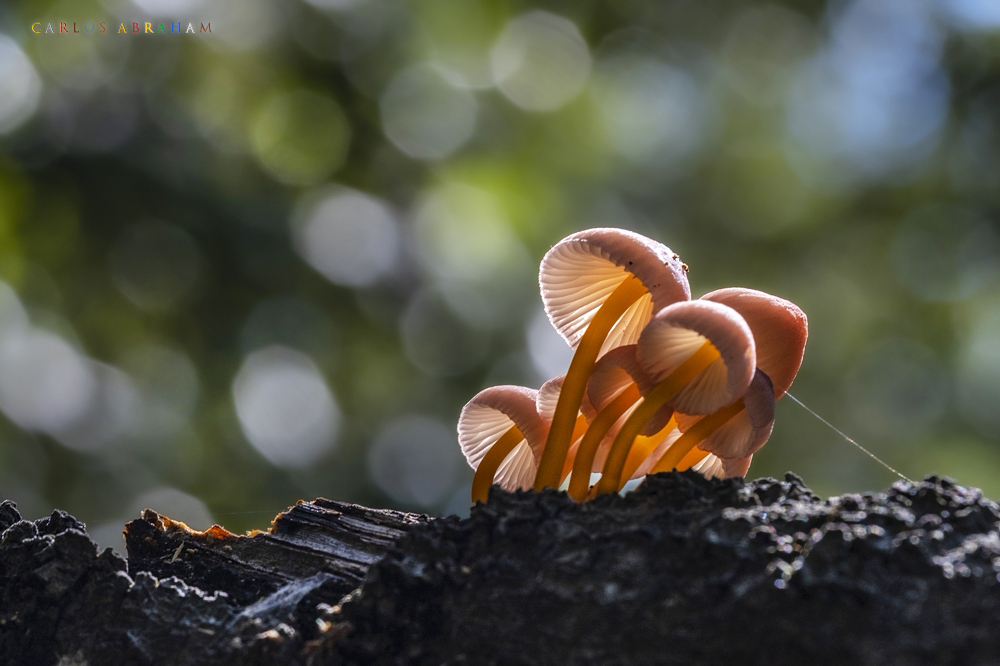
701	354
600	288
780	330
502	435
615	389
692	387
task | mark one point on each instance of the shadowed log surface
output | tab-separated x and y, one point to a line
681	571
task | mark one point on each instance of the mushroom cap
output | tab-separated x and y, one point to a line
548	398
488	416
678	331
714	467
779	328
579	273
746	432
616	371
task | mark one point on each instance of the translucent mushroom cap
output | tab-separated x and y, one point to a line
615	372
779	330
579	273
714	467
746	432
678	331
488	416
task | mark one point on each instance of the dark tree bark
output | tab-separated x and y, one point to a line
682	571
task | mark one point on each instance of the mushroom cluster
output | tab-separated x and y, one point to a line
658	381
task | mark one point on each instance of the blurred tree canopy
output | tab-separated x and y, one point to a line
273	261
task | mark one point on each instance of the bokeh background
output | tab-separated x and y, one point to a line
274	261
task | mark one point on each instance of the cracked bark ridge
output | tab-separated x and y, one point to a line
184	597
333	542
690	571
683	570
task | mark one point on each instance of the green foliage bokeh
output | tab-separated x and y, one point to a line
156	201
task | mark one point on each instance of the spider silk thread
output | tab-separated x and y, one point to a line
863	449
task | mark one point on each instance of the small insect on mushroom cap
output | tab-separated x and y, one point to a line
600	288
581	271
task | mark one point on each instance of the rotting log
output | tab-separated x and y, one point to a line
681	571
329	543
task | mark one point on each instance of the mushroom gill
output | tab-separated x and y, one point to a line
501	435
600	288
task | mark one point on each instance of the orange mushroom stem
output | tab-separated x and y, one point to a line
667	389
701	431
558	443
579	482
491	462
